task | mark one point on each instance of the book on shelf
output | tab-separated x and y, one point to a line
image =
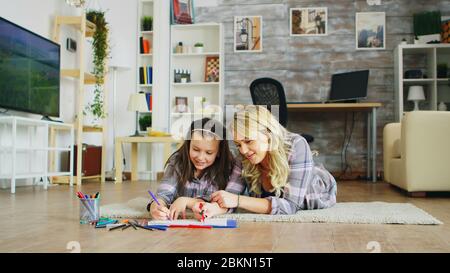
149	75
141	75
149	98
145	46
146	75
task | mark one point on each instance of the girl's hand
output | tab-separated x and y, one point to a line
200	206
159	212
178	206
225	199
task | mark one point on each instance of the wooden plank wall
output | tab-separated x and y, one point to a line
304	65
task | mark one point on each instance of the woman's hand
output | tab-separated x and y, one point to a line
177	207
225	199
159	212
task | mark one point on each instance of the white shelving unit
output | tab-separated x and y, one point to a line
86	30
30	138
145	8
425	58
211	35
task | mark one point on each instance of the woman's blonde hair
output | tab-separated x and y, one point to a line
247	122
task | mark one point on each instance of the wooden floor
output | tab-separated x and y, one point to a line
35	220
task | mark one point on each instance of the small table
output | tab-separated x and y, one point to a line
369	107
168	141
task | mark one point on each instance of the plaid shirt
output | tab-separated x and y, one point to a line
200	188
308	187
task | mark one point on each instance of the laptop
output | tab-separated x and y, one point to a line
345	87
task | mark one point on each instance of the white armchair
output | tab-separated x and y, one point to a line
417	152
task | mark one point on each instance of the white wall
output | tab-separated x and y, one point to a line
206	3
121	16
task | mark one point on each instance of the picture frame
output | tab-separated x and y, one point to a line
212	69
181	104
370	30
182	11
248	34
310	21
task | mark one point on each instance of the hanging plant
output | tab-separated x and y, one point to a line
101	53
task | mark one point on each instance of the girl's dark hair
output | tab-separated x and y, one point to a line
219	172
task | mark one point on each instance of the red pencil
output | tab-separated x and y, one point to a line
189	226
195	226
202	213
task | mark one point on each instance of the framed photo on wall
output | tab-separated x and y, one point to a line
370	30
181	104
248	34
308	21
182	11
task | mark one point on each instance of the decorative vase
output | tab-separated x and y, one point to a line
198	49
442	106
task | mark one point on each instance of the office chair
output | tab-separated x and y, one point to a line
267	91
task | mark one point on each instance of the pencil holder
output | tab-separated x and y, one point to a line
89	210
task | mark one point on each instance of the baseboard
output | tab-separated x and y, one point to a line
355	175
6	183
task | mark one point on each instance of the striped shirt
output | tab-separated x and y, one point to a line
200	188
308	186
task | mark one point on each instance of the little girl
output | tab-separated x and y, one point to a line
201	166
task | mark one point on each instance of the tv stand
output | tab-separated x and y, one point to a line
5	113
47	118
34	139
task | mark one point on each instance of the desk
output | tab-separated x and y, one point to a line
369	107
134	153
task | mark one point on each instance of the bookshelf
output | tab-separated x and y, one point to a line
84	79
145	53
424	57
197	85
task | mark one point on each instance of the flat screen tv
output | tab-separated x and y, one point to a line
349	86
29	71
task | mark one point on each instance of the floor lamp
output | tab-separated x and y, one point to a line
115	68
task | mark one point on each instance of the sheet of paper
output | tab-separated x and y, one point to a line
186	222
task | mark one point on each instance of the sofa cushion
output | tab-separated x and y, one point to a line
397	149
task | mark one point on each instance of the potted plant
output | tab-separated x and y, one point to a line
198	48
442	70
147	23
101	53
145	121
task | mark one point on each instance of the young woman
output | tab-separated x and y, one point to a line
278	166
201	166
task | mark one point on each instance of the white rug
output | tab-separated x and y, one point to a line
347	212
